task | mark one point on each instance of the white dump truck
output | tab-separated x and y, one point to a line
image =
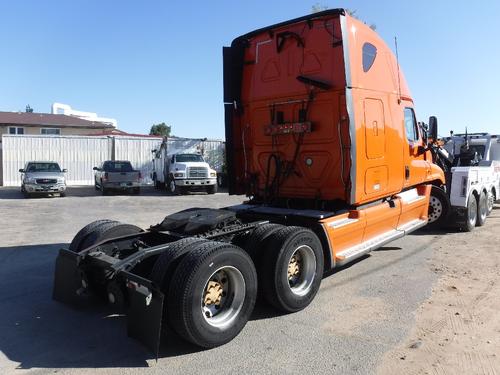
185	164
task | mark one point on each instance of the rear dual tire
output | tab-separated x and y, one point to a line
491	201
291	268
290	264
476	212
471	214
212	294
482	209
100	230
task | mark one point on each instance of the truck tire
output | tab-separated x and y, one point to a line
172	187
212	294
106	231
291	269
104	191
167	262
491	201
439	208
212	189
165	266
482	209
255	242
84	232
471	214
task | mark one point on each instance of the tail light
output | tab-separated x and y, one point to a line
140	176
105	175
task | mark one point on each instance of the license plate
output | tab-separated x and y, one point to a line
123	184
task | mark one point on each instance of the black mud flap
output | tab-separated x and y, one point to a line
144	312
68	285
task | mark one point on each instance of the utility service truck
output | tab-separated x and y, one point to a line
183	164
322	138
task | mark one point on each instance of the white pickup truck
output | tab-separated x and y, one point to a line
188	172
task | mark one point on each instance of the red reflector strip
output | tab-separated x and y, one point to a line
293	127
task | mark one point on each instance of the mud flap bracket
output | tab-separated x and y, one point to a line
144	311
69	281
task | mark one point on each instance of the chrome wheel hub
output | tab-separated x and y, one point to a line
301	270
223	297
435	209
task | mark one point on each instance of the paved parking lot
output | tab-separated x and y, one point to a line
361	311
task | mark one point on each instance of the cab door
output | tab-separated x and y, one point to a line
416	167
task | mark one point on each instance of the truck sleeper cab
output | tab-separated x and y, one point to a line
317	111
323	141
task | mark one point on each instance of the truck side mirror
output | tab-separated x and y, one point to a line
95	169
433	128
22	170
64	170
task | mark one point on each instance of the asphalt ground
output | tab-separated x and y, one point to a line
361	311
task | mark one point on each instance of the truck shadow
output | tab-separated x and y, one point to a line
426	231
263	310
37	332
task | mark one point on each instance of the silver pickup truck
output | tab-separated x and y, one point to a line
42	177
117	175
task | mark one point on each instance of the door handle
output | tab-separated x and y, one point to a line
407	172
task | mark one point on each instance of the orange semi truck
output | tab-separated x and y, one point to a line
322	137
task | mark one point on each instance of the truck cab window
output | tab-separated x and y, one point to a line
411	125
369	54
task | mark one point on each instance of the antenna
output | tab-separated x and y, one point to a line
397	62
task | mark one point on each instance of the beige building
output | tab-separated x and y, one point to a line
49	124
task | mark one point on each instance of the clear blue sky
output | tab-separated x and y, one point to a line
144	62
